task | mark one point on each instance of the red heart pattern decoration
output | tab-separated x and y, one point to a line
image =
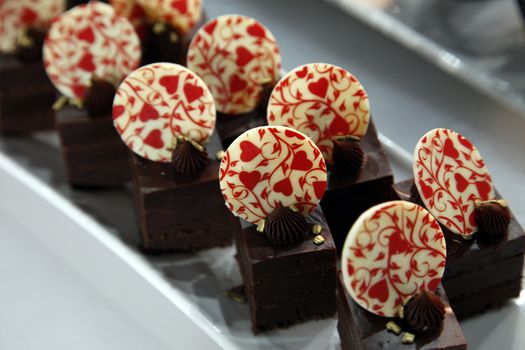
450	176
381	277
321	101
183	15
267	167
17	15
166	98
86	41
253	62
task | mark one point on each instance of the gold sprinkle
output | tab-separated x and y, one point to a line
317	229
266	80
501	202
60	103
467	237
236	295
318	240
220	155
408	338
25	40
393	327
260	226
76	102
401	312
174	37
159	27
293	208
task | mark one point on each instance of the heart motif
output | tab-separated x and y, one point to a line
319	188
86	35
118	111
484	189
461	182
237	84
292	133
302	73
78	90
284	186
210	27
248	151
427	190
86	63
450	150
170	83
397	244
256	30
28	16
244	56
192	92
339	126
301	162
319	87
148	112
154	139
180	5
250	179
379	291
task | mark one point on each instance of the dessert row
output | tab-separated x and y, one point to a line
198	114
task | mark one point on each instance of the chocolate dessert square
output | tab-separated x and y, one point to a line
288	285
26	97
230	127
360	329
94	153
348	195
479	275
181	212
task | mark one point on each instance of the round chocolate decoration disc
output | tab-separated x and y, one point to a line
393	251
450	176
18	15
236	56
322	101
133	12
269	167
159	102
180	14
90	41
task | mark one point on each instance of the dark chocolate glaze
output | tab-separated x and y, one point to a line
179	212
349	194
475	265
360	329
287	285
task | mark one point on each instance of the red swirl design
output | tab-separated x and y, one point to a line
450	176
267	167
394	250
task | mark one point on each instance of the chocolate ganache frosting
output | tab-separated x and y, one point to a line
493	219
285	226
424	313
98	98
189	156
30	44
347	154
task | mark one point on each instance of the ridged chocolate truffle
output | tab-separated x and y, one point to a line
347	154
424	313
29	46
285	226
493	220
187	159
98	98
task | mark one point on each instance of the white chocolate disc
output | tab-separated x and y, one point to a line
322	101
17	15
182	15
90	41
270	166
133	12
158	102
393	251
236	56
450	176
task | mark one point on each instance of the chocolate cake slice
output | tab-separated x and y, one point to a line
479	275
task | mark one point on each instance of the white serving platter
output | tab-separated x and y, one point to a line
180	298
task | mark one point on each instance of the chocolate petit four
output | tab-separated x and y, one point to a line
485	243
329	105
273	178
166	115
87	52
26	94
169	27
389	292
239	60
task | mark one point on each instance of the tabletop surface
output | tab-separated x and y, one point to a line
43	298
